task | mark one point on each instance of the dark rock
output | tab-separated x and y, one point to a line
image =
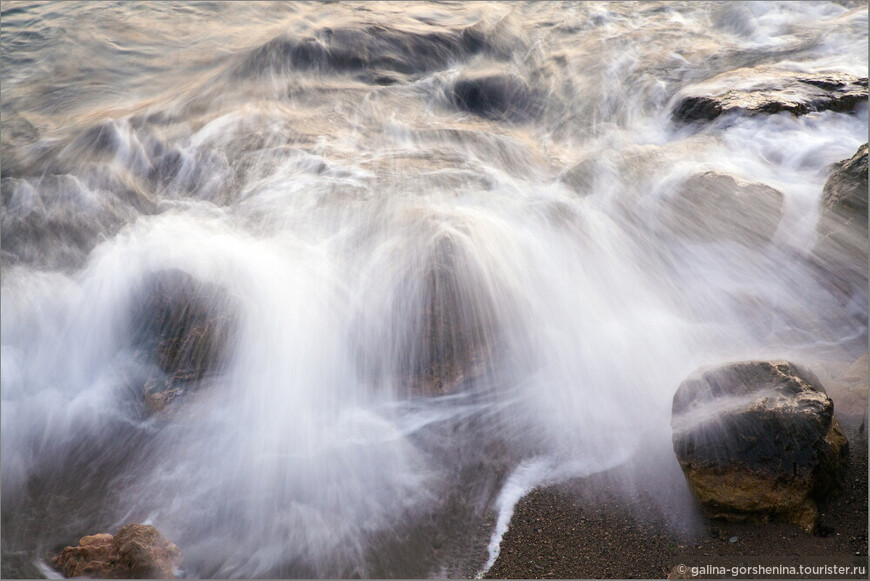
841	250
758	439
713	206
760	91
455	337
496	96
136	552
437	330
845	192
185	326
365	48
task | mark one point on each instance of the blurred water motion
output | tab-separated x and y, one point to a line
465	249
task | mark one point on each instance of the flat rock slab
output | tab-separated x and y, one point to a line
761	91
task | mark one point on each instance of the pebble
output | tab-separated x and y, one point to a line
733	539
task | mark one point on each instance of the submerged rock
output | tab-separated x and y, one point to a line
759	439
766	91
375	49
841	250
496	96
455	336
137	552
714	206
185	327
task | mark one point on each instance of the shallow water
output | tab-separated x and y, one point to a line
322	164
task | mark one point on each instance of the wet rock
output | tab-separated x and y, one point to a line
841	250
767	91
496	96
455	337
846	190
19	136
137	552
714	206
373	48
55	221
758	439
185	326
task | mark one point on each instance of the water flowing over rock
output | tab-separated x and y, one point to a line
846	190
755	92
455	337
714	206
841	250
758	439
137	552
377	52
496	96
185	327
326	287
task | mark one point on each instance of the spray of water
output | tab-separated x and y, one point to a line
440	299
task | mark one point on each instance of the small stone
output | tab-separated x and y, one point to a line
733	539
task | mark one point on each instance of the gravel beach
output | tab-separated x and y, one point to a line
588	528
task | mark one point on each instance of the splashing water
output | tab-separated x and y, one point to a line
446	236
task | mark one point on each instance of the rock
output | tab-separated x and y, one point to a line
497	96
373	49
146	553
137	552
714	206
765	91
186	327
846	190
758	439
92	557
841	250
455	336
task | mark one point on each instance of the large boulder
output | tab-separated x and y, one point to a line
765	91
841	250
137	552
713	206
758	439
184	326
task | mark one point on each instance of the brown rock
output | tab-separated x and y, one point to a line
145	552
455	337
758	439
185	326
136	552
714	206
846	188
92	557
764	90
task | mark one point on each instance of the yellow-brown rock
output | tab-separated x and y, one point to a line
137	552
758	439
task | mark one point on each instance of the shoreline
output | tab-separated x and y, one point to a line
588	528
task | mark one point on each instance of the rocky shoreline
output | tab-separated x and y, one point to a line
587	528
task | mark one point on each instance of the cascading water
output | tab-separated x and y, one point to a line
442	233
